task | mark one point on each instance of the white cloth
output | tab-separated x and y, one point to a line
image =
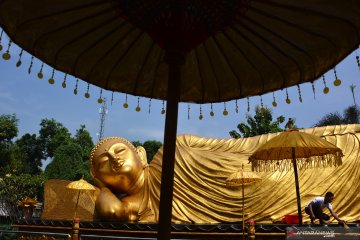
320	200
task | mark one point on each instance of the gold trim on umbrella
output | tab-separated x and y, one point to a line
310	151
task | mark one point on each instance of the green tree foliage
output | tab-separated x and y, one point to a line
31	153
15	187
83	138
10	159
20	161
151	147
261	123
8	131
52	134
8	127
350	116
6	156
137	143
67	163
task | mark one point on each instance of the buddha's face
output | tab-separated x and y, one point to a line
117	165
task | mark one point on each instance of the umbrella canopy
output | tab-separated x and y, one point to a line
81	185
310	151
292	148
242	177
232	49
196	51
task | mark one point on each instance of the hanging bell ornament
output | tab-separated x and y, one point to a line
51	80
337	82
6	56
326	90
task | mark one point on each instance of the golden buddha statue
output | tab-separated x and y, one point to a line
130	188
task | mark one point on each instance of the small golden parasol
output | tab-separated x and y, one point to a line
80	185
242	177
292	149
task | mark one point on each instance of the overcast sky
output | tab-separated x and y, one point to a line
33	99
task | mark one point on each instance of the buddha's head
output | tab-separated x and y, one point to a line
117	164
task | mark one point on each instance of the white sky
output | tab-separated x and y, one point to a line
33	99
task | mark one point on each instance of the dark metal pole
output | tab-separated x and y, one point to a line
243	211
243	201
297	187
175	61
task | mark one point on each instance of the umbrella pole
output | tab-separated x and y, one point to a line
243	201
243	213
77	202
175	60
297	187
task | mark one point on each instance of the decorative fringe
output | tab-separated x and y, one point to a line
329	160
40	75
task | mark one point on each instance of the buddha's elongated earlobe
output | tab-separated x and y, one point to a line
142	155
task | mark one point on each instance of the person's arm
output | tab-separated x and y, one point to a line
335	216
312	216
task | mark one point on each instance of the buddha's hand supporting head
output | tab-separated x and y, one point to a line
117	164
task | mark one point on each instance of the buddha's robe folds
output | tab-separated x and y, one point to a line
203	165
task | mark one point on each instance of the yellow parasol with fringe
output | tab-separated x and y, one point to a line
242	177
291	149
80	185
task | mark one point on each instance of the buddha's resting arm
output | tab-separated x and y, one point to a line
109	206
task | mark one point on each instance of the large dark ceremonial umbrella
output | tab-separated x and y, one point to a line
181	50
292	148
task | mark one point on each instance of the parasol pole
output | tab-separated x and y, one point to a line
243	203
175	60
77	201
297	186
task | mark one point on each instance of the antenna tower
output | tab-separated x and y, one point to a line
102	111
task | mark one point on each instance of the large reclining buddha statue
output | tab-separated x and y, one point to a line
129	188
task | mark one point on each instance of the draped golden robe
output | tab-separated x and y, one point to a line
203	165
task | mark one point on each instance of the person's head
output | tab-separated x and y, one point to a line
329	197
116	163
